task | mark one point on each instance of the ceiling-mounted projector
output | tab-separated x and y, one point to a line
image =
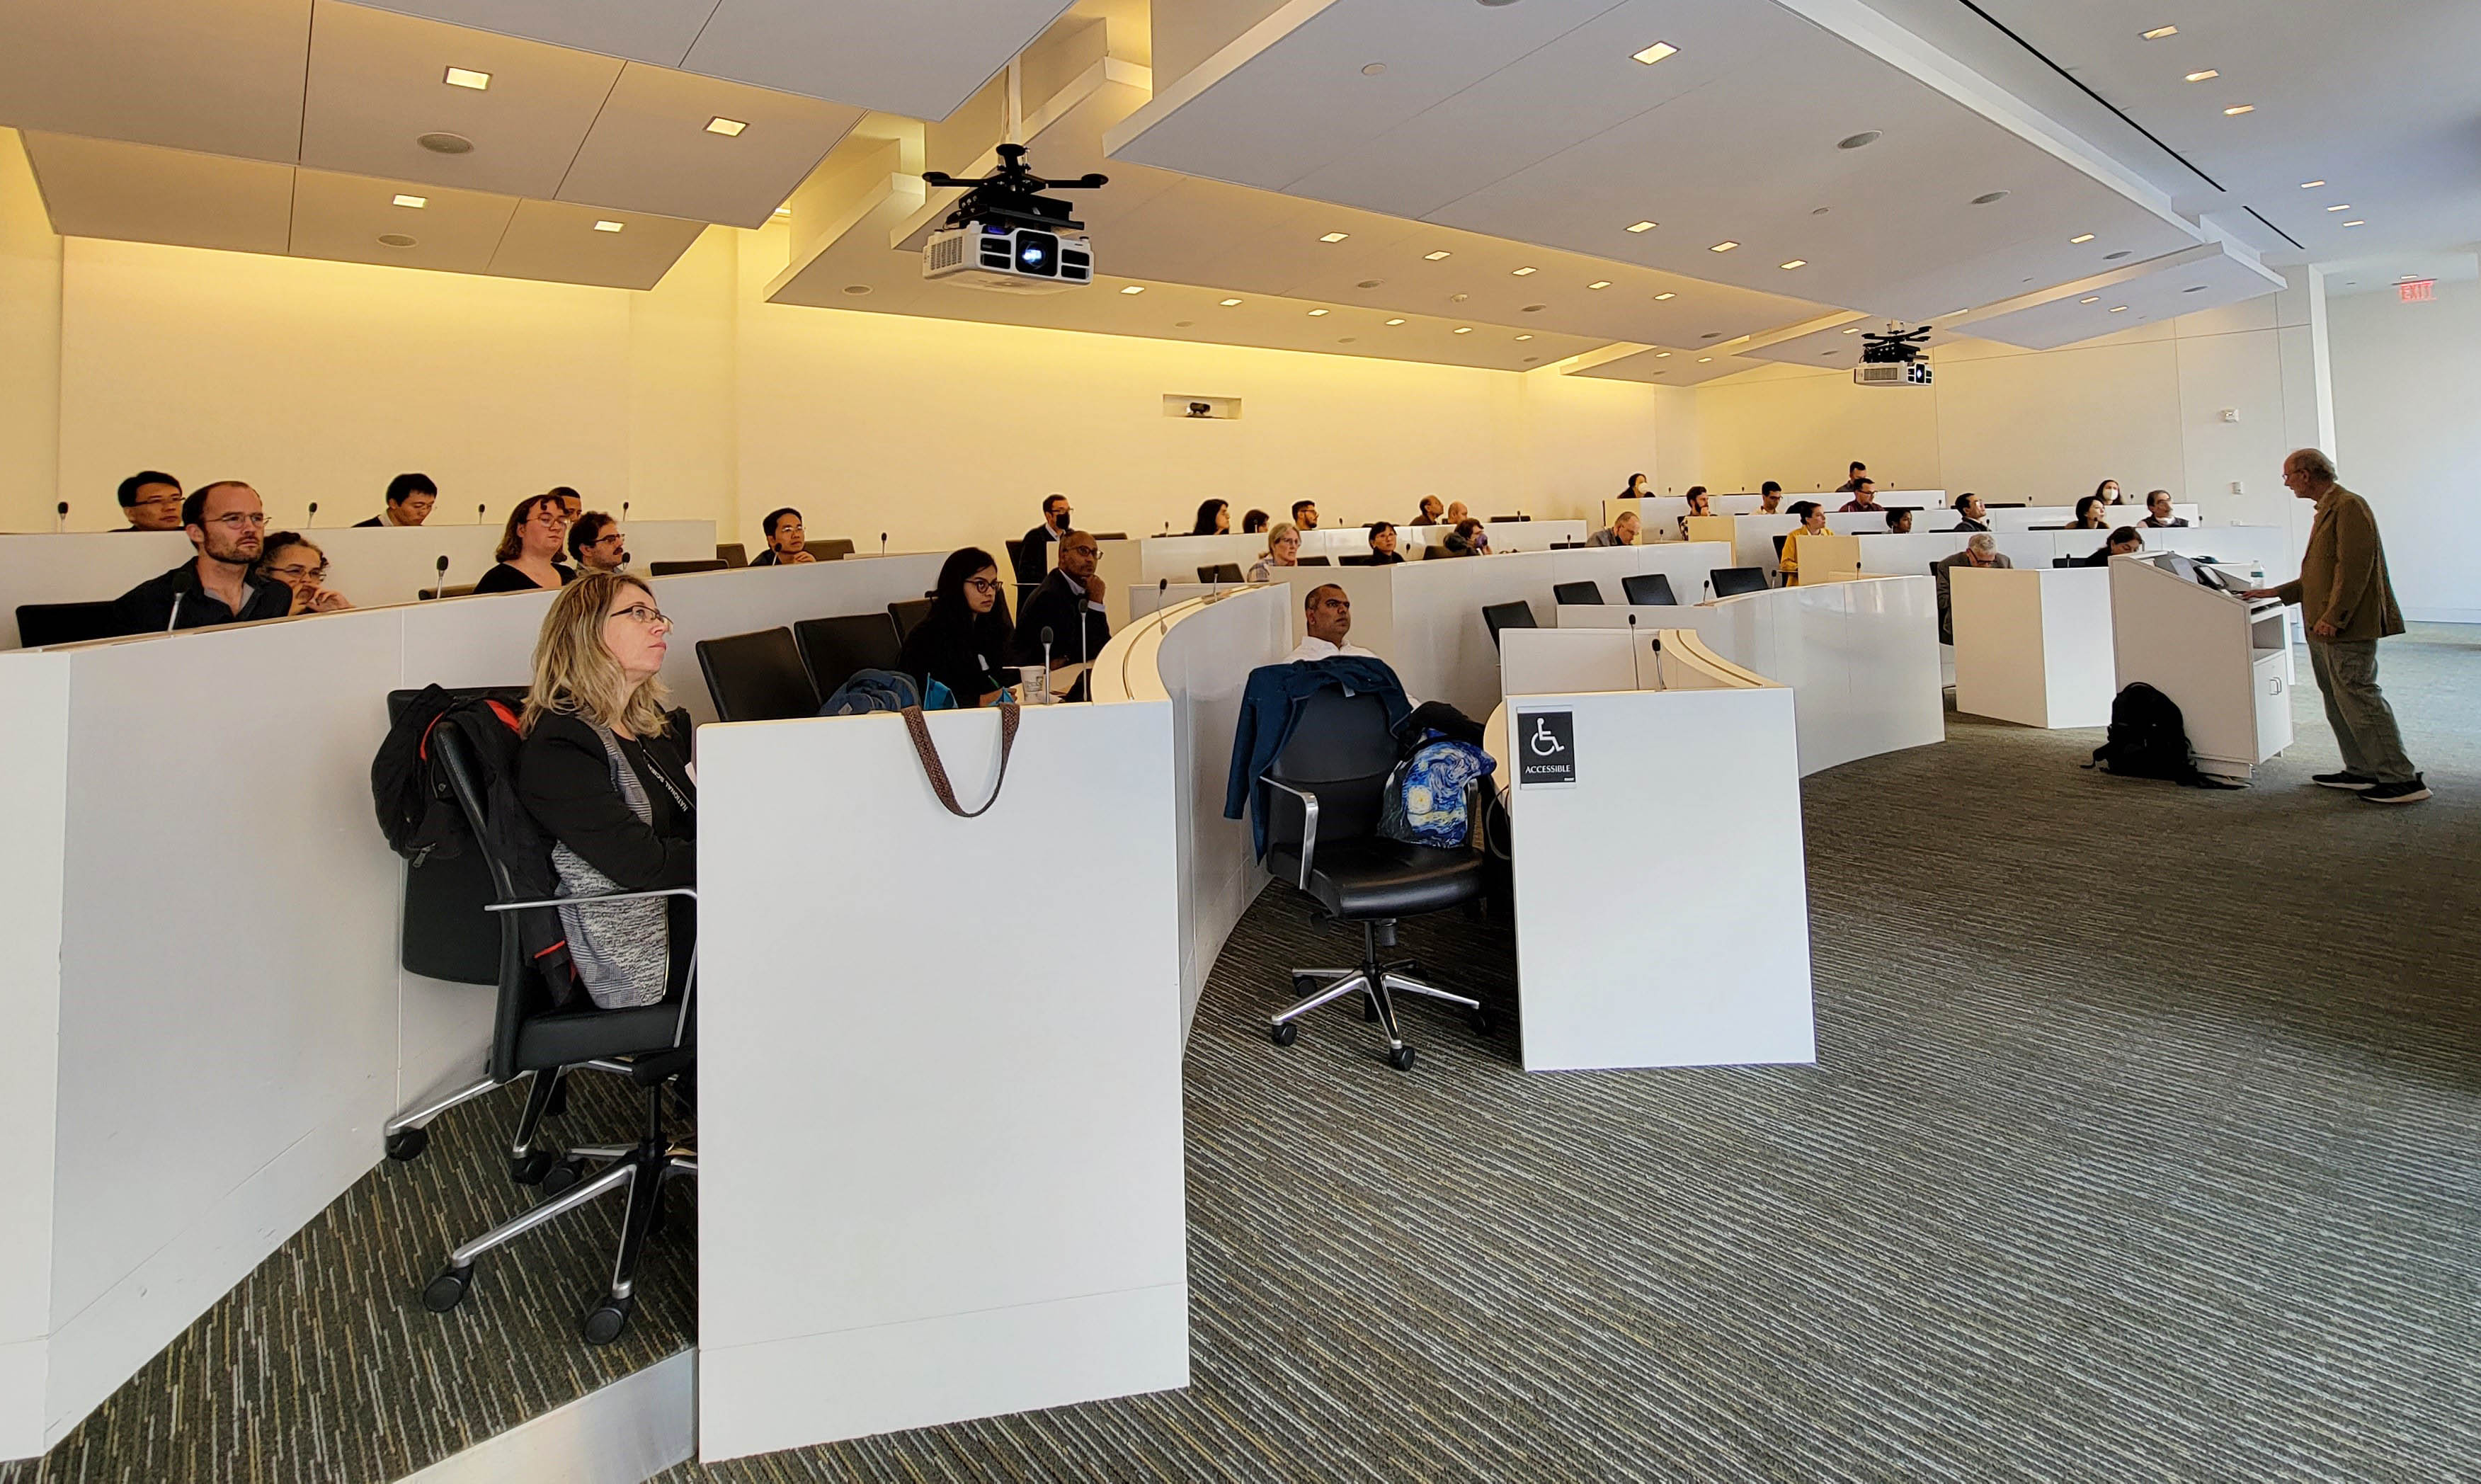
1893	358
1005	234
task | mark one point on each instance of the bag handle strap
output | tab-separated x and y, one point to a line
928	752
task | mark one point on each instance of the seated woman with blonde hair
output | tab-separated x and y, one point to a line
604	769
1283	549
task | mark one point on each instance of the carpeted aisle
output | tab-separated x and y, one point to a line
2141	1146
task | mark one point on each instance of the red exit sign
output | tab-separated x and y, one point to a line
2420	291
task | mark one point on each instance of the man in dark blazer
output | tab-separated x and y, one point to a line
1069	602
1033	555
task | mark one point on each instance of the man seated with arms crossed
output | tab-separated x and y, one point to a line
785	541
228	526
151	502
409	499
1621	531
1069	602
1305	514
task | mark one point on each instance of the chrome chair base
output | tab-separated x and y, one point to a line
1377	982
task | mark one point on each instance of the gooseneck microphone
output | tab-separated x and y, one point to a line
1046	661
624	513
439	590
314	514
481	514
61	518
882	550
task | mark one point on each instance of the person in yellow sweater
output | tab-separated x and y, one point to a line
1812	522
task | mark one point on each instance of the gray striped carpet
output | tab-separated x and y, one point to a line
2141	1146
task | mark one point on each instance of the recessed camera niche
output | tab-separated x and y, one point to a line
1190	406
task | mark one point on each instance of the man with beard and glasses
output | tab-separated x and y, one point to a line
228	526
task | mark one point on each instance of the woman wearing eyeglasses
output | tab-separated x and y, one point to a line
966	638
289	557
605	770
531	547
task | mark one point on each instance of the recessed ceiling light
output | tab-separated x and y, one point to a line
2310	185
2237	109
1182	324
2338	208
1525	272
1432	257
1335	237
1662	355
1372	69
607	226
1656	53
2113	257
729	128
1530	360
2089	299
1535	308
464	77
413	200
1643	226
1315	313
396	239
2119	309
1990	198
1854	331
1797	263
1464	329
2159	31
1660	298
1703	359
1600	283
2207	75
1525	337
1395	322
1134	288
783	211
2078	242
1856	140
856	290
445	143
1723	247
1229	302
2194	288
2355	224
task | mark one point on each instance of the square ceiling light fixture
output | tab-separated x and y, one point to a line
1656	53
466	77
607	226
1643	226
1432	257
416	202
1335	237
729	128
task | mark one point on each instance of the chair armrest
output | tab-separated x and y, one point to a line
1309	825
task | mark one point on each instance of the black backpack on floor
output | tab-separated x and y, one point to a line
2149	738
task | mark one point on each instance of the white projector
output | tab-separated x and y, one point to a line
1892	374
1011	259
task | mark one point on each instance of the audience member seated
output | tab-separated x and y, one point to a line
1253	523
1812	522
2089	516
227	525
2107	492
150	501
1637	488
1621	531
289	556
530	549
1326	612
597	543
1899	521
1382	546
1700	502
572	504
1305	514
2126	541
787	543
1069	602
1865	496
965	640
2158	511
1213	519
1033	553
1981	551
1432	511
1858	477
605	770
1469	538
1971	514
1283	549
1769	498
1456	515
409	499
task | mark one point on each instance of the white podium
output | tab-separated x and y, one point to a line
2226	661
2033	644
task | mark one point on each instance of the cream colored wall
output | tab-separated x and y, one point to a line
2408	418
30	347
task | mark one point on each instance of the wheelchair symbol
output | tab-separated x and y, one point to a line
1541	743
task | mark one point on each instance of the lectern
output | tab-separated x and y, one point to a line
2224	658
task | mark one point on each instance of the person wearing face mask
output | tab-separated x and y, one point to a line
966	637
288	556
227	525
530	549
1033	553
1069	602
2107	492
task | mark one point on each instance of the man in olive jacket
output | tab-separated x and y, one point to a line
2348	606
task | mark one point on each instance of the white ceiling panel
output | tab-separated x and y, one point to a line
2201	278
650	151
144	192
377	85
557	240
920	57
222	78
1670	366
1830	340
656	31
354	219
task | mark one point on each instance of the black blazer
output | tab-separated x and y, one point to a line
1964	524
1078	632
1032	559
564	781
176	599
960	652
505	578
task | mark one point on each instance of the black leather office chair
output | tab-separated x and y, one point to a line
834	649
1311	561
732	554
1518	615
1779	545
1222	572
1584	594
529	1034
675	568
832	549
1732	582
1329	784
1647	588
757	677
908	616
1504	520
452	590
62	623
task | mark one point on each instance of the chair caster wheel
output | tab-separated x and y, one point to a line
1400	1059
1284	1034
607	1319
530	1167
559	1177
447	1291
407	1143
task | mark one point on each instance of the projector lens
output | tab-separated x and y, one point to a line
1037	255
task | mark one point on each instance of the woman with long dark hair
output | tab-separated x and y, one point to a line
964	641
1213	519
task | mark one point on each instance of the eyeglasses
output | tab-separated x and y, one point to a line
610	538
239	520
159	502
983	585
317	574
649	617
